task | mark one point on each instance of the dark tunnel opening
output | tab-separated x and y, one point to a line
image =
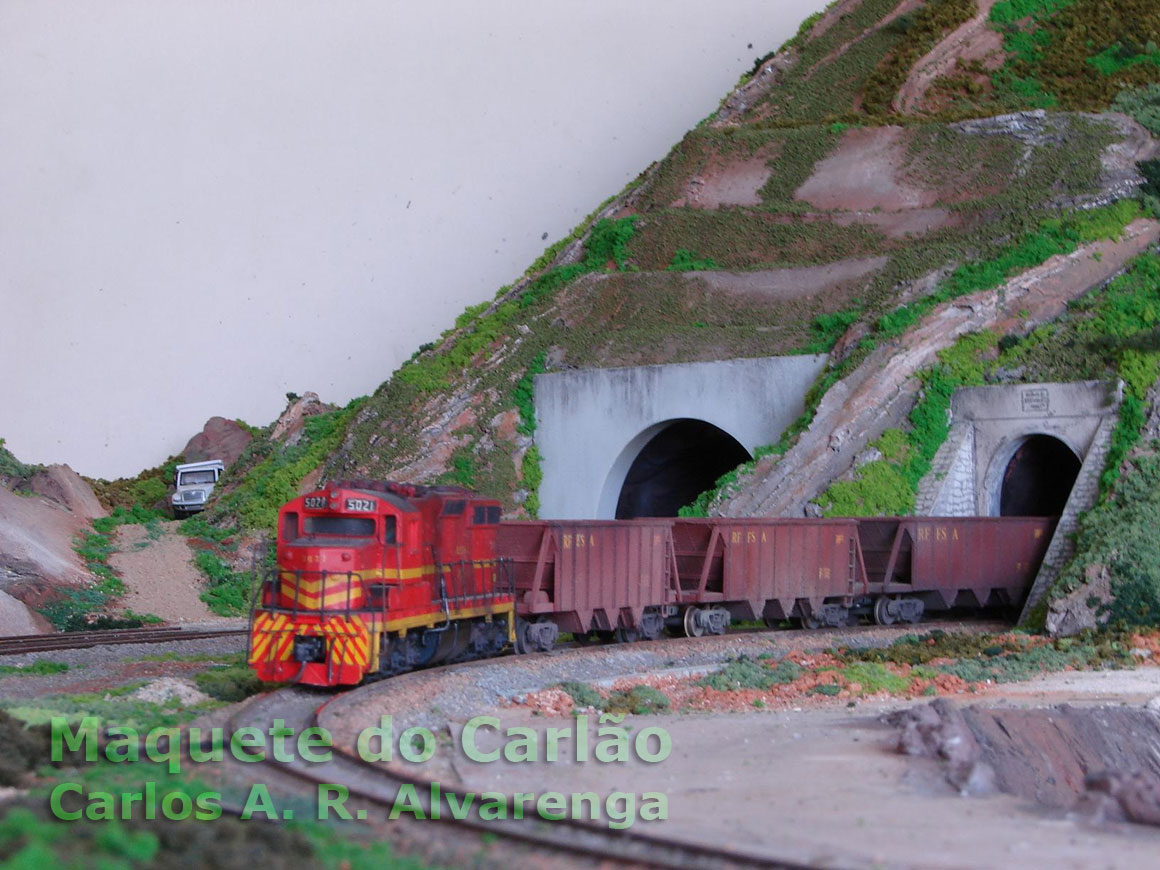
1038	479
675	467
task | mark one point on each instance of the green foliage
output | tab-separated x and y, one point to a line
888	487
525	394
144	495
1119	537
1143	104
533	476
12	467
922	33
639	700
254	502
434	370
826	329
229	683
228	591
608	243
746	673
1118	57
980	658
1011	11
463	467
1076	54
873	678
39	668
582	694
685	260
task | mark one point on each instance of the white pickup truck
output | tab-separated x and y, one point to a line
195	482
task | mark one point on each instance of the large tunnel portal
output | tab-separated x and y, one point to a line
679	463
1038	479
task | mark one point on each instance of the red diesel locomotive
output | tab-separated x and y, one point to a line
374	578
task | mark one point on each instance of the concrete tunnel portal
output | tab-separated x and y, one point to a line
647	440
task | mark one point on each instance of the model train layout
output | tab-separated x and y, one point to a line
375	578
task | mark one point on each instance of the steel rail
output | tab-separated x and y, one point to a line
86	639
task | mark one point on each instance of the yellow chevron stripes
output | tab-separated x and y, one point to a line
272	639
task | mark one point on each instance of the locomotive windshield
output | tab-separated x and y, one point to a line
338	527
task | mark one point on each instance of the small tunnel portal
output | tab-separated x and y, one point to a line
675	466
1038	479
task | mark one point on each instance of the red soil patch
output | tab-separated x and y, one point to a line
728	182
792	283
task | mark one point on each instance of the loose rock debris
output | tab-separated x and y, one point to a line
1102	763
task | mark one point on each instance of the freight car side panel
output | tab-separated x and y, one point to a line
752	562
951	556
590	574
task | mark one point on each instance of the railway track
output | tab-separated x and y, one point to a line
86	639
373	790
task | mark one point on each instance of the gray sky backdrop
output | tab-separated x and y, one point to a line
206	205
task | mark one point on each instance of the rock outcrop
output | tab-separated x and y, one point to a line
220	439
288	428
63	486
17	619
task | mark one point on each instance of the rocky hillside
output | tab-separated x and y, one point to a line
938	193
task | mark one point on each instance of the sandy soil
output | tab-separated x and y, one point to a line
159	575
821	783
862	174
973	40
794	283
823	786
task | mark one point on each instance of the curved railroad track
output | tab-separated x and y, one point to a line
85	639
374	788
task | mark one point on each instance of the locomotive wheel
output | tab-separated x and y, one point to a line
882	615
693	627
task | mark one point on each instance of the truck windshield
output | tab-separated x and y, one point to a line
189	477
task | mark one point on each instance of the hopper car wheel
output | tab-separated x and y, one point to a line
693	626
627	635
585	638
810	623
882	614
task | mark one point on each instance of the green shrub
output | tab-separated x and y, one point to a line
746	673
582	694
639	700
39	668
229	683
685	260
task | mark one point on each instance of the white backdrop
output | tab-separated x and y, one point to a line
205	205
